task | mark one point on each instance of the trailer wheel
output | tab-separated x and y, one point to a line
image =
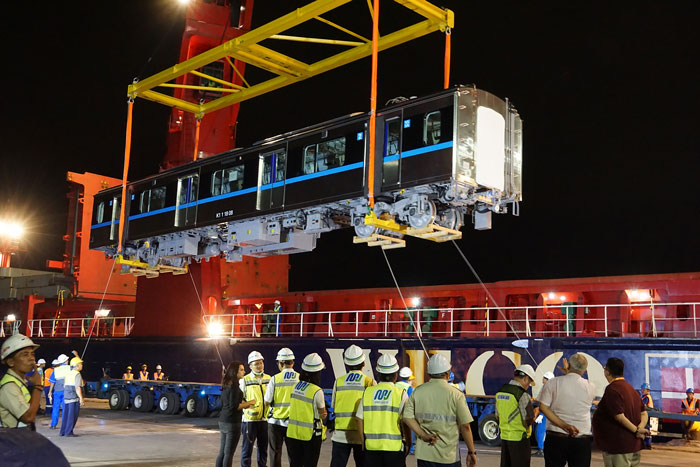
169	403
143	401
118	399
489	432
196	406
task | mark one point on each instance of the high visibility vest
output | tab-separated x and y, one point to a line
255	390
47	375
403	385
348	392
158	376
302	424
8	378
648	401
690	409
381	405
510	420
59	374
128	376
143	375
285	381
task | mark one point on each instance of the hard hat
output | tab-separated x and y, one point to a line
158	367
528	370
438	364
548	375
387	364
406	373
144	366
645	386
128	367
41	360
313	363
55	362
452	377
353	355
687	391
75	361
15	343
277	302
255	356
285	354
63	358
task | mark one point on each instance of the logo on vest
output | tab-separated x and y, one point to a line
382	396
288	375
353	377
301	386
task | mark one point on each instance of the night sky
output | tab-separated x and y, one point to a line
608	93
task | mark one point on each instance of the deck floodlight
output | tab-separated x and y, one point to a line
415	302
12	230
11	318
215	329
102	313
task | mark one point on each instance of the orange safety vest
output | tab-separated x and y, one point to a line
128	376
143	375
158	376
692	408
47	375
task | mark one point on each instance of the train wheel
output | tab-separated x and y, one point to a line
489	432
451	218
418	218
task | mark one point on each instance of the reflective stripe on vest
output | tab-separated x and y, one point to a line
302	425
690	409
255	390
8	378
510	420
348	392
285	381
381	405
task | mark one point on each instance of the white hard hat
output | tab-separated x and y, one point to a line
438	364
387	364
255	356
63	358
313	363
277	302
41	360
158	367
285	354
528	370
353	355
55	362
15	343
406	373
548	375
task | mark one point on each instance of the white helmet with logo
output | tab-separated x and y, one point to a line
438	364
285	354
313	363
353	355
15	343
387	364
255	356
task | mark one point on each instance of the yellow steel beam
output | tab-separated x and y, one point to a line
315	40
340	28
215	79
429	11
201	88
272	61
170	101
240	75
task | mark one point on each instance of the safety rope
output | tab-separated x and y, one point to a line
196	139
448	54
102	300
490	296
201	306
373	102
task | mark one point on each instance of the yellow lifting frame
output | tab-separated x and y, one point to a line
246	48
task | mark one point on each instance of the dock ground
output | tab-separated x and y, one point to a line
126	438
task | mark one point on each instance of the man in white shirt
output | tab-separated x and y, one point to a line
566	402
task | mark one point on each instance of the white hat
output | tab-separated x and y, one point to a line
387	364
528	370
548	375
313	363
285	354
41	360
406	373
254	356
55	362
438	364
158	367
277	302
15	343
63	358
353	355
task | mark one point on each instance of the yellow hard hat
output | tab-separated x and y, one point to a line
75	361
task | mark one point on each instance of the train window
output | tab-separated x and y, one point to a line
324	156
185	211
431	128
227	180
100	213
152	200
392	137
273	162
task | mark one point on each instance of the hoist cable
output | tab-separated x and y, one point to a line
201	306
111	271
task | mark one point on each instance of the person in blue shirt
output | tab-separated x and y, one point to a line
57	381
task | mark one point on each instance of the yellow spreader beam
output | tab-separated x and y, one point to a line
247	48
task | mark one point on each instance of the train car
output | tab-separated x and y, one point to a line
437	159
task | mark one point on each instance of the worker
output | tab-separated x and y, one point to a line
347	392
515	416
277	310
143	374
689	406
254	426
541	421
438	414
406	380
307	413
278	396
451	381
19	402
40	366
47	384
73	394
128	375
56	390
653	423
385	439
158	375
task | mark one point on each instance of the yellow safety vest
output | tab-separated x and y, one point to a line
381	405
143	375
158	376
255	390
8	378
285	381
403	385
348	392
510	420
302	424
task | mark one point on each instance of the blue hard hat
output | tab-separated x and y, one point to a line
646	386
452	376
689	390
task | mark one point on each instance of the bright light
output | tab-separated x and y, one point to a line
101	313
202	392
636	295
415	301
551	295
11	318
562	297
183	2
215	329
11	230
105	385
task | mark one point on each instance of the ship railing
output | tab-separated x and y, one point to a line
677	320
114	326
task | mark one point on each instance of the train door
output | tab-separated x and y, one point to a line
391	166
272	168
186	203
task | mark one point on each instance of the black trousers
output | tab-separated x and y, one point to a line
252	431
230	434
341	453
515	453
276	434
303	453
558	450
385	458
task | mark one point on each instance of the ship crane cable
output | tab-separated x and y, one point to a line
500	310
104	293
201	307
